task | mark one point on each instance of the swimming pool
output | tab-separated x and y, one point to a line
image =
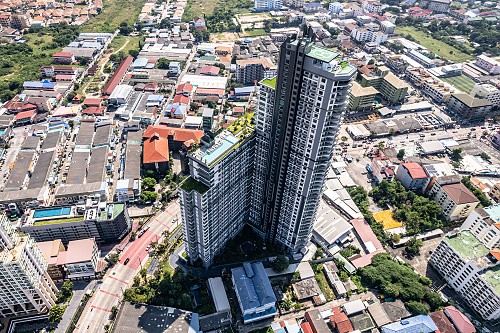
51	212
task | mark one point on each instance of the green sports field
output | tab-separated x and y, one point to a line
461	82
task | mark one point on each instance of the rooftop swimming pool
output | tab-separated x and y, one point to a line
51	212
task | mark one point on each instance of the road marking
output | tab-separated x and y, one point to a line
107	292
111	277
98	308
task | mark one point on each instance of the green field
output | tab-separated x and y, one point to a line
113	13
199	8
461	82
255	32
438	47
119	41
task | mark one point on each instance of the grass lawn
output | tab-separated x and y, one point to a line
320	277
255	32
40	44
461	82
436	46
119	41
114	12
206	7
59	221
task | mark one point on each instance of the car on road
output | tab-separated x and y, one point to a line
126	261
148	247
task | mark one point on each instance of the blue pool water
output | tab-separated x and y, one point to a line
42	213
378	100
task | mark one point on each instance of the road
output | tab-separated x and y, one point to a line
11	154
110	292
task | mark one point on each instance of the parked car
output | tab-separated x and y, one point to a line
126	261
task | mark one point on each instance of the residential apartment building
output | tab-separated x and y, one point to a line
412	176
215	199
470	269
369	33
484	224
455	199
267	4
392	89
488	91
469	108
25	286
249	71
361	98
436	89
438	6
299	134
489	64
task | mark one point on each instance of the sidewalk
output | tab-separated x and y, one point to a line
80	287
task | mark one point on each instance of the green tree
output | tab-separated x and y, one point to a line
194	106
113	258
456	154
133	53
147	196
163	63
65	292
433	299
417	308
149	183
413	245
56	313
280	263
125	29
401	154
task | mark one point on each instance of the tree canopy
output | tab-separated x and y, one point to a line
280	263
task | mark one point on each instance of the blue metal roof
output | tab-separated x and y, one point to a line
421	324
155	98
39	85
140	62
176	109
313	5
244	90
252	285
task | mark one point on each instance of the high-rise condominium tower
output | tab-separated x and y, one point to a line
271	173
25	285
296	124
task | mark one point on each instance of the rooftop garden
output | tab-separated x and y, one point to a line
270	82
243	126
190	184
59	221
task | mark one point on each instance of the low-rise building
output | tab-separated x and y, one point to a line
254	70
469	108
421	324
438	6
78	261
255	294
361	98
392	89
455	199
488	91
468	267
267	4
411	175
489	64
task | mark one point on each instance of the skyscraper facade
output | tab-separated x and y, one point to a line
270	173
25	286
215	199
296	129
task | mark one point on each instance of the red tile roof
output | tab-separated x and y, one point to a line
442	322
94	110
461	322
210	91
63	55
92	101
155	149
459	193
177	134
365	232
415	170
306	328
210	70
117	75
25	114
181	99
185	87
342	323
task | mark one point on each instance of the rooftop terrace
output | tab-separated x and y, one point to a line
271	83
191	184
223	143
492	276
467	245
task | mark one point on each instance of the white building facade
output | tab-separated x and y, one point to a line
25	286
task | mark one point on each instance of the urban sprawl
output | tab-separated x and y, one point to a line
266	166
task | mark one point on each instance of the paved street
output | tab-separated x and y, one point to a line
20	134
110	292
